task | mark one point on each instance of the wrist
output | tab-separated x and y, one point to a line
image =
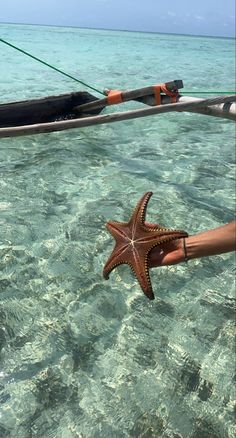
190	248
184	247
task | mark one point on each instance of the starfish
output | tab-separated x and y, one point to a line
134	240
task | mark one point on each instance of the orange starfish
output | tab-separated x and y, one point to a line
134	241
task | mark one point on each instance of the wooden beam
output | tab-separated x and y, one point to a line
126	96
224	110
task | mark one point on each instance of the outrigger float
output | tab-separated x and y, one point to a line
81	109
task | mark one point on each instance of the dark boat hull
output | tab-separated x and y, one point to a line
44	110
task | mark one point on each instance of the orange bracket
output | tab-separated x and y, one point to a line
158	89
172	94
157	94
114	97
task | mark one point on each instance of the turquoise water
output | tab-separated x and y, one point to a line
81	357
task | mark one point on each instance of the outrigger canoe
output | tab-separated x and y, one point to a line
80	109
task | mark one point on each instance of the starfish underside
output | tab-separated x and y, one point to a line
134	241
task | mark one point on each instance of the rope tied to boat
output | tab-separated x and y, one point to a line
51	66
111	98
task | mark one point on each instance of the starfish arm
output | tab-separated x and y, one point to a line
138	264
138	216
119	230
141	271
116	258
161	236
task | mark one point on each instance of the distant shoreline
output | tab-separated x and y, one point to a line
119	30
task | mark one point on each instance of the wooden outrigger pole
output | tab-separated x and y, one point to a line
145	95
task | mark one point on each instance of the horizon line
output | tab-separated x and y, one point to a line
118	30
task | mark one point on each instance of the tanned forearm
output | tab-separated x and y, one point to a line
217	241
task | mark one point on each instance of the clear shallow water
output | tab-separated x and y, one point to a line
81	357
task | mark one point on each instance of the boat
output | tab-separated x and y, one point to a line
43	110
81	109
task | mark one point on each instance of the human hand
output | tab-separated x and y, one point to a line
169	253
